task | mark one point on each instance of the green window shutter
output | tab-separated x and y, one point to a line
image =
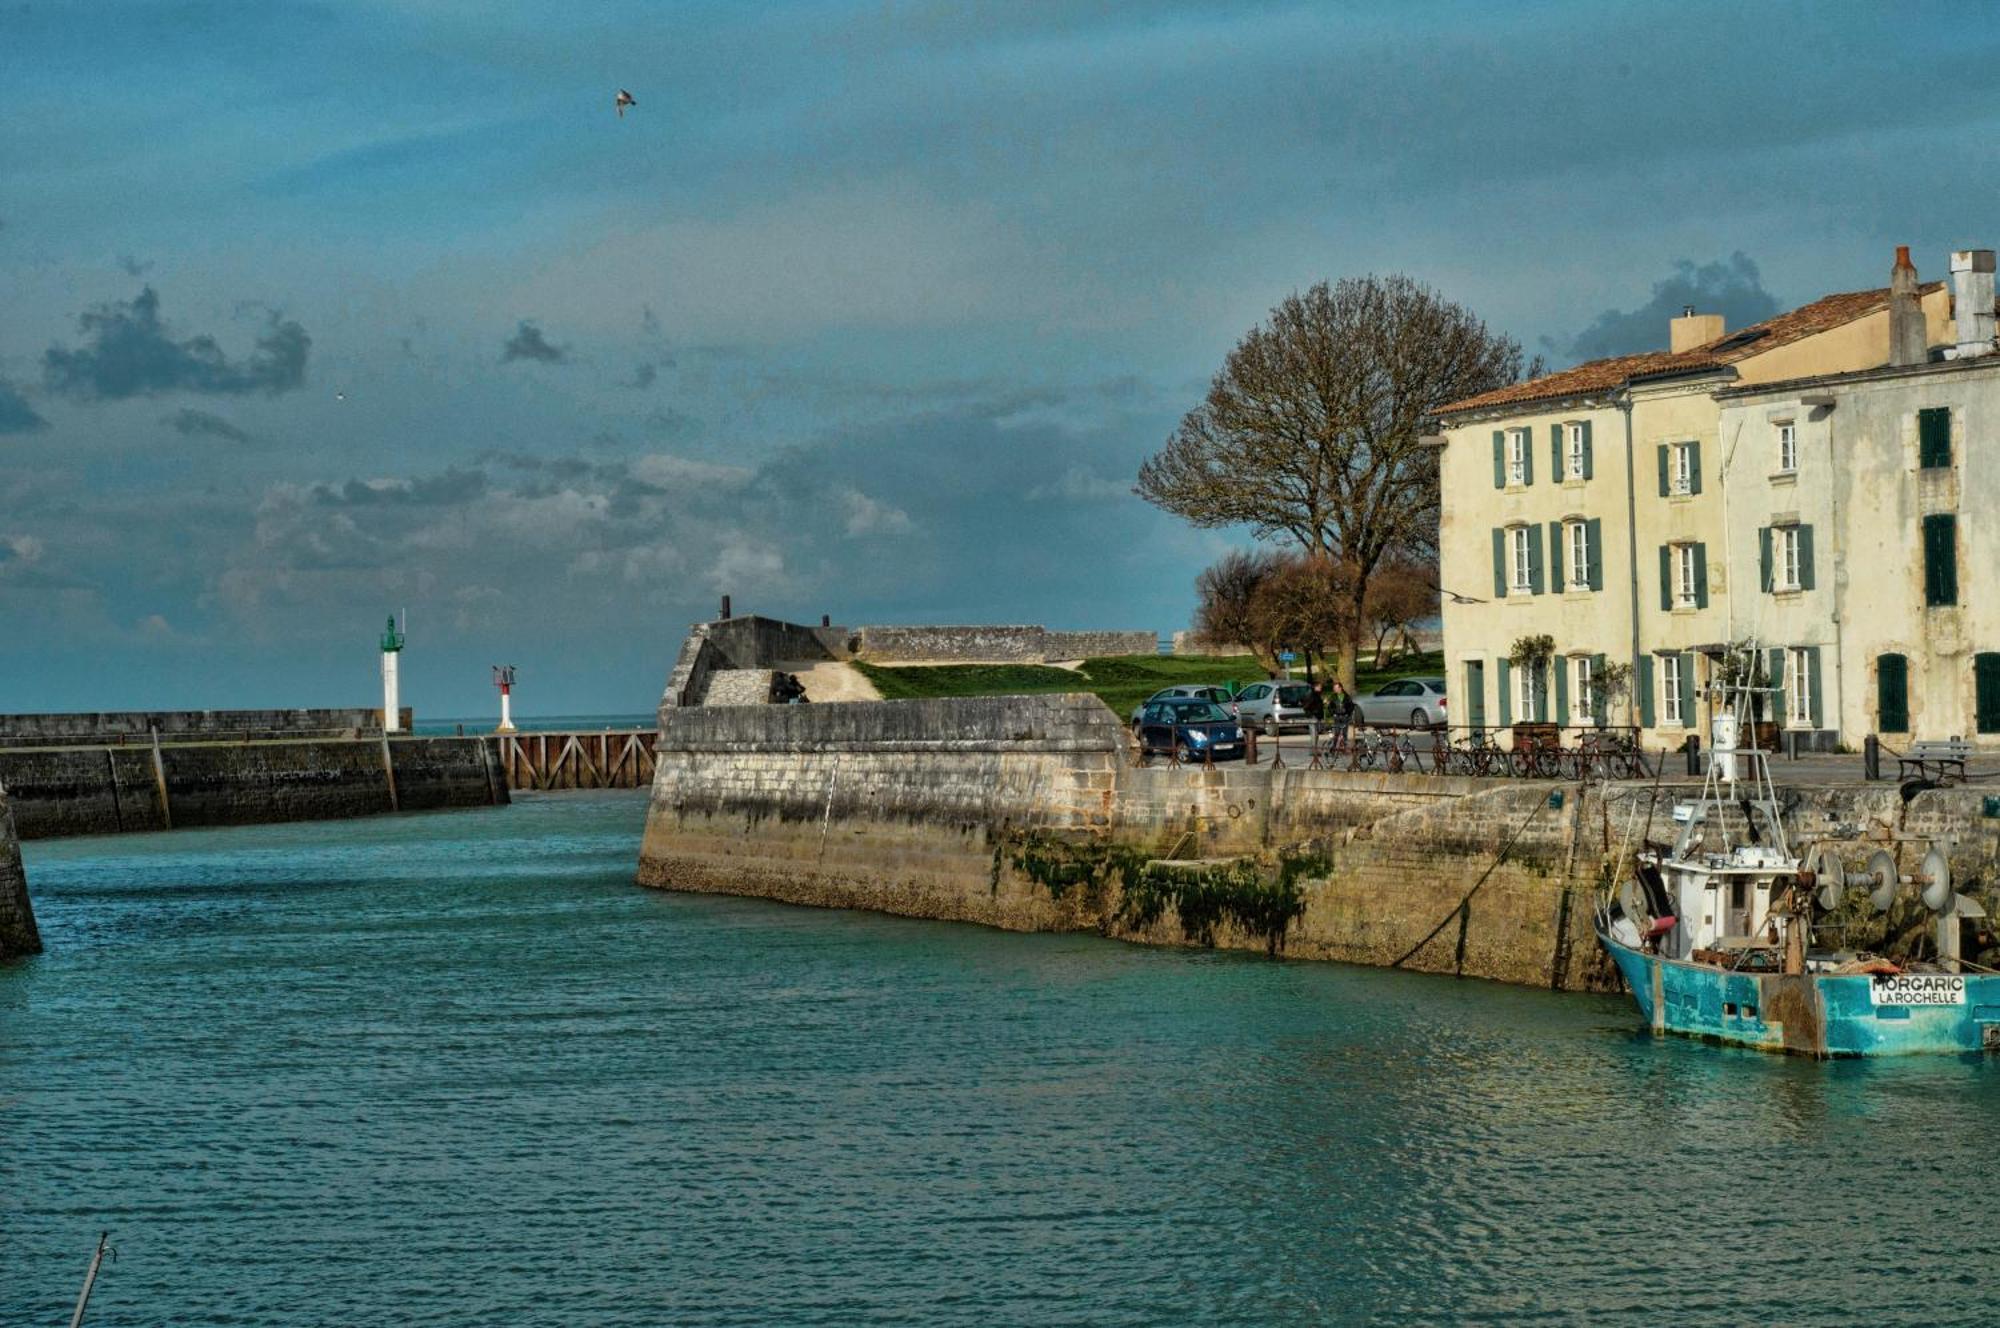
1561	666
1766	579
1986	691
1506	693
1534	560
1586	450
1663	470
1701	576
1687	689
1941	559
1666	577
1805	558
1892	694
1593	542
1642	675
1475	693
1556	582
1557	471
1813	695
1499	562
1775	663
1528	457
1694	466
1597	702
1499	459
1934	437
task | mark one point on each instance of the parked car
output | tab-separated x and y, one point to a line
1190	728
1188	692
1273	706
1415	702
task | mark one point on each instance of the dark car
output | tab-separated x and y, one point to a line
1192	730
1190	691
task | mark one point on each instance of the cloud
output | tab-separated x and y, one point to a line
1731	287
16	415
132	267
644	376
19	551
447	489
127	352
866	516
192	423
528	343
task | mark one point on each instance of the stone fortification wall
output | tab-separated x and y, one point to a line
1187	643
18	935
113	725
736	644
992	644
76	790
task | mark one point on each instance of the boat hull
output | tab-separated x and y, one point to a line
1814	1014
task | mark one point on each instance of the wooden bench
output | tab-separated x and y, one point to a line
1935	760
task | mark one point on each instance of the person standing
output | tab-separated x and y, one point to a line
1341	709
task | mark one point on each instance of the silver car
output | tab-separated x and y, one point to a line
1273	706
1414	702
1187	691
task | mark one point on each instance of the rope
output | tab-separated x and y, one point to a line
1519	830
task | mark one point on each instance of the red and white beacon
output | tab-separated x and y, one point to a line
503	678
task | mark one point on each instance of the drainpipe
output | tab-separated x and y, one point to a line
1822	403
1631	527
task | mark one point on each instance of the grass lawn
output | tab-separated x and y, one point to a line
1122	681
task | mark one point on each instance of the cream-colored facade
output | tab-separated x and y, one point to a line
1762	486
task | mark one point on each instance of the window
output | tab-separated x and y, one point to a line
1573	452
1940	559
1686	588
1576	534
1524	695
1517	456
1520	560
1934	438
1670	692
1680	476
1788	447
1582	683
1799	687
1786	539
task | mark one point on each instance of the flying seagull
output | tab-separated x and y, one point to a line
623	100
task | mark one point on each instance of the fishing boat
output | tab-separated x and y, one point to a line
1715	936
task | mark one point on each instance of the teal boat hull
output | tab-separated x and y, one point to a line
1813	1014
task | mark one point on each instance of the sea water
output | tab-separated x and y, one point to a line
458	1069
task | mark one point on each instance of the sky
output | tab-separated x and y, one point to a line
315	312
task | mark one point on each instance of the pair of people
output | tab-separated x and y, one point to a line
1331	703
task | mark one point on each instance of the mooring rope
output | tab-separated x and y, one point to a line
1519	830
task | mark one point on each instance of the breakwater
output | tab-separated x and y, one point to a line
108	788
1027	813
123	726
18	934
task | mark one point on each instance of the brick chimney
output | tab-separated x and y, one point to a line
1972	302
1692	329
1907	342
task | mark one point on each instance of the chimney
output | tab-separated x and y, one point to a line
1907	341
1972	301
1692	329
725	606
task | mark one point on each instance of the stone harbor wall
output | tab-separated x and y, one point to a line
1028	813
138	725
18	935
75	790
993	644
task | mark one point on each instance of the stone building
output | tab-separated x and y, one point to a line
1795	484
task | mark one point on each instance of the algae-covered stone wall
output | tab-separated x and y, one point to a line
18	935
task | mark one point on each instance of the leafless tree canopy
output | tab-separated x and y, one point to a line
1225	612
1402	592
1311	428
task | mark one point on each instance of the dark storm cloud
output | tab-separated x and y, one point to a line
132	267
191	423
644	376
128	352
528	343
16	415
1732	288
448	489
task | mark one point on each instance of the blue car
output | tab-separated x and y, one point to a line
1189	730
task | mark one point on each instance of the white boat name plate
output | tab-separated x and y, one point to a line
1917	989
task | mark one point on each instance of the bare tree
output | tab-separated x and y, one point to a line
1225	601
1311	428
1306	602
1402	591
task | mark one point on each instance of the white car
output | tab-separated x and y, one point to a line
1273	706
1417	703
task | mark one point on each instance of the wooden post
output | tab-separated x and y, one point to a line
160	781
389	775
90	1279
486	764
111	768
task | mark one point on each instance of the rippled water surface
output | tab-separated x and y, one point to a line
458	1069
